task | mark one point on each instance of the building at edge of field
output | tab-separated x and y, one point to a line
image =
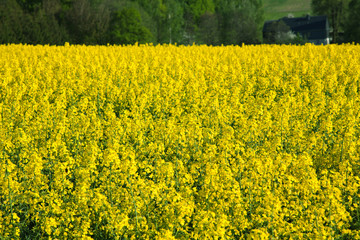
312	29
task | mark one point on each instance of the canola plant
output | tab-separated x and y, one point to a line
179	142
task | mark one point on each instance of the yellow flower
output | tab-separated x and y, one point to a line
179	142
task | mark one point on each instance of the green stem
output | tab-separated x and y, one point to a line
133	200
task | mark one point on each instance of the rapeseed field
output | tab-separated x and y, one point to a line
179	142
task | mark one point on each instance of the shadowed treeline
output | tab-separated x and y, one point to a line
212	22
101	22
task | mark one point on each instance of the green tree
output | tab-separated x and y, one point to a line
170	25
45	29
39	27
241	21
352	30
167	19
279	32
193	11
87	23
208	32
11	16
200	7
126	28
102	21
147	19
336	11
30	5
276	32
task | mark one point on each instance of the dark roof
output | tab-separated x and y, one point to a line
311	27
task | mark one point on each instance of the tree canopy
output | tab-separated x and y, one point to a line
337	11
352	29
126	27
212	22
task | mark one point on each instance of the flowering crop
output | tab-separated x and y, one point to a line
179	142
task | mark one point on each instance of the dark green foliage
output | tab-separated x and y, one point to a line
170	26
352	29
240	21
209	29
126	28
18	26
336	11
30	5
212	22
11	17
200	7
238	28
278	33
87	24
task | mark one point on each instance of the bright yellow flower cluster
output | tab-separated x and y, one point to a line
180	142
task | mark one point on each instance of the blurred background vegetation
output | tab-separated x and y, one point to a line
275	9
212	22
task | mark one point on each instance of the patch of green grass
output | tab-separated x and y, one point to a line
275	9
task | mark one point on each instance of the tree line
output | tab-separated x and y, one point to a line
212	22
344	18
